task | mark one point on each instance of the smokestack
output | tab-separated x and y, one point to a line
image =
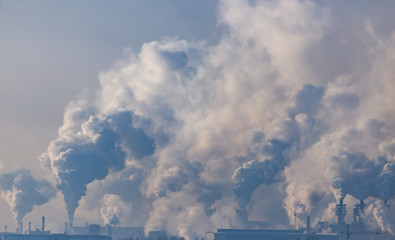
340	213
5	229
358	209
362	206
43	226
308	224
356	213
65	228
21	227
30	227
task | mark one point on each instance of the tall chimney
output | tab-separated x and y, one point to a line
362	206
65	228
30	227
21	227
43	226
308	224
340	213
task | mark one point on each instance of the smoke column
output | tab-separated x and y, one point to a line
22	192
90	151
295	99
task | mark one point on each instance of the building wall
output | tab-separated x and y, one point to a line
52	237
255	234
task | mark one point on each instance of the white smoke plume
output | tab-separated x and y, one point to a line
382	214
295	94
112	209
125	186
22	192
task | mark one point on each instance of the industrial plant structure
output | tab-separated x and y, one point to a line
339	230
87	232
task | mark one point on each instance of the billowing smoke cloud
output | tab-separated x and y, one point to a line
22	192
254	173
274	155
361	177
90	150
295	95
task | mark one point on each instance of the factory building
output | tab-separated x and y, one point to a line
120	233
123	233
258	234
338	230
116	233
157	235
265	234
51	237
42	234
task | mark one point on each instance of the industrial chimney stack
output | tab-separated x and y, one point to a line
43	226
340	213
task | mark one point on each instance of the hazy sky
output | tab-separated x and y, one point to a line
52	51
188	116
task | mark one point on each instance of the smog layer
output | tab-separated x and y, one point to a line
292	109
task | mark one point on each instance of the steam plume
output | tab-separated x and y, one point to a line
112	209
83	154
22	192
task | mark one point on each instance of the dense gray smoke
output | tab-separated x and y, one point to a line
91	151
270	157
254	173
22	192
361	177
294	102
